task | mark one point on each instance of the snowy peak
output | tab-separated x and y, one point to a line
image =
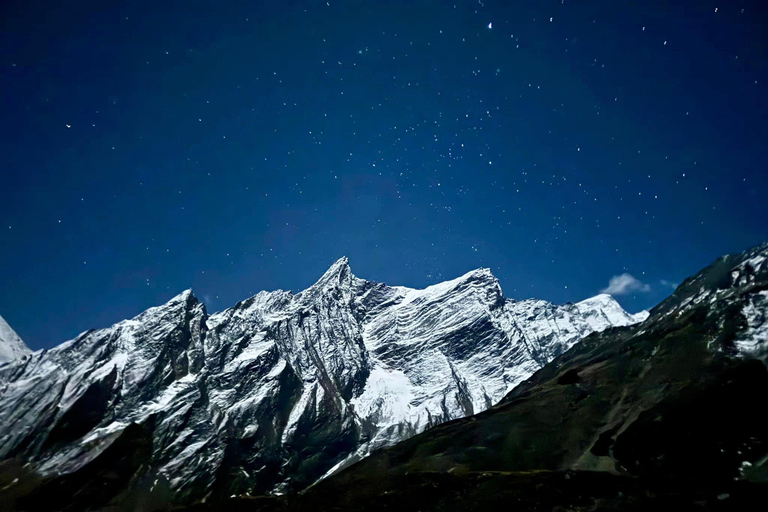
340	265
479	277
676	399
601	301
185	299
479	284
11	345
602	298
605	310
241	400
338	275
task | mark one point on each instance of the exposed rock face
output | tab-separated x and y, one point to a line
281	389
665	414
11	346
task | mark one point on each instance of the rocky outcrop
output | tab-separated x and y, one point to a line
11	346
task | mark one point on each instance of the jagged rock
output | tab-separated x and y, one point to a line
11	346
281	390
666	414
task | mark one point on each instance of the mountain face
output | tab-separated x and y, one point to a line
667	414
11	346
276	392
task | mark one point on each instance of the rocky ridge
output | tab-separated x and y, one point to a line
282	389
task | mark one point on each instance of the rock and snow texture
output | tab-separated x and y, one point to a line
753	341
282	389
11	346
732	281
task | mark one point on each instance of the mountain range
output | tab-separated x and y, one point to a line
281	390
666	414
371	396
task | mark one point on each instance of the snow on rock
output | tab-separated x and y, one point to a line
602	311
640	316
11	346
281	389
753	340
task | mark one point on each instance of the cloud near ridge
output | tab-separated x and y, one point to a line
669	284
624	284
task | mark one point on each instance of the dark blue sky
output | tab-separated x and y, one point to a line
238	146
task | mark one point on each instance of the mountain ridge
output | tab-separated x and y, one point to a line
281	389
665	413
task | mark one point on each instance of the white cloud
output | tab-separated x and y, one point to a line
668	284
624	284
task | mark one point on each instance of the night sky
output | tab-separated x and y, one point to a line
150	147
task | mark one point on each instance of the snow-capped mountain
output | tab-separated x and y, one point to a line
664	415
11	346
282	389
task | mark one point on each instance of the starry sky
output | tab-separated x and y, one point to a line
231	147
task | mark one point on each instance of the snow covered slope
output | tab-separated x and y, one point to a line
282	389
11	346
676	399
